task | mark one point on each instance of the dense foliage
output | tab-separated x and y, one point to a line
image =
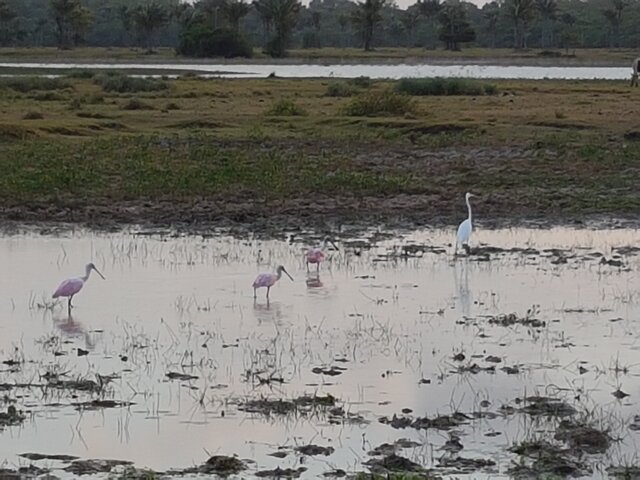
276	25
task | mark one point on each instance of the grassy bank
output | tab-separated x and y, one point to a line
586	56
100	148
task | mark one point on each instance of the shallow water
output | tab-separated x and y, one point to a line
351	71
386	308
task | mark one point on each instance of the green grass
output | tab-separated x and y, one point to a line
121	83
32	83
174	167
444	86
285	107
380	103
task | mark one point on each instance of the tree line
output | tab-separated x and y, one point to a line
233	27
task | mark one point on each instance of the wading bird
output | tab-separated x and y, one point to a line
71	286
465	229
316	255
268	280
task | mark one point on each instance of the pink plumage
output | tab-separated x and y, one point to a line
268	280
265	280
69	287
315	255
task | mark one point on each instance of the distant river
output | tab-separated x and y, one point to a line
347	71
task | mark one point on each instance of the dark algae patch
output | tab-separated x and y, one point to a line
312	450
304	405
11	417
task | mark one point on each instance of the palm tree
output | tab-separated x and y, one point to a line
614	17
80	21
281	15
146	19
454	26
365	19
429	9
7	14
491	16
63	11
547	10
234	11
521	12
409	21
567	34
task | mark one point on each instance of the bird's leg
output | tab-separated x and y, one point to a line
69	306
467	248
255	292
268	288
318	267
307	266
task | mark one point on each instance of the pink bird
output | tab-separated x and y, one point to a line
268	280
71	286
316	255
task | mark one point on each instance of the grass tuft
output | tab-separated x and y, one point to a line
121	83
30	84
444	86
380	103
285	108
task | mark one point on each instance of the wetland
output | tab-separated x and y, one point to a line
516	359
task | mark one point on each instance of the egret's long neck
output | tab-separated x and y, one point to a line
469	207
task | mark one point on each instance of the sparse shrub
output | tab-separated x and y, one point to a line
362	82
560	115
47	96
75	103
285	108
172	106
341	89
136	104
203	41
29	84
95	98
121	83
378	103
444	86
81	74
33	115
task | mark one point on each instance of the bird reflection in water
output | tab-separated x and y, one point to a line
267	311
313	281
463	294
73	329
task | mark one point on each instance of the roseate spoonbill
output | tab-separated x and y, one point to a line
316	255
71	286
268	280
465	228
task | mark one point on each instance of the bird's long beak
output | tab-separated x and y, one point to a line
98	272
334	245
287	274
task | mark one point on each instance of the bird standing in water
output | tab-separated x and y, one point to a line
465	228
316	255
268	280
71	286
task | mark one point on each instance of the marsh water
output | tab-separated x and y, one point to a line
175	334
350	70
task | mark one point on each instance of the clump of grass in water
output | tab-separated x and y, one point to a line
285	108
29	84
380	103
121	83
444	86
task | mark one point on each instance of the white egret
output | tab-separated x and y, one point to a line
465	228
